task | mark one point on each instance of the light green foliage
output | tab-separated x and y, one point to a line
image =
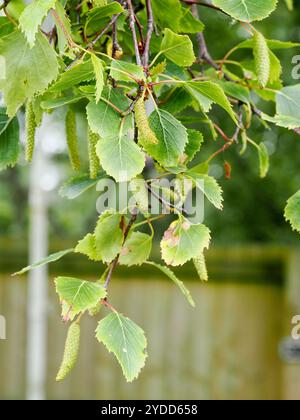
108	236
213	92
264	162
287	107
103	118
32	17
178	48
127	72
136	249
183	241
126	341
247	10
51	258
292	211
209	186
28	70
169	273
62	40
79	295
70	353
81	72
172	138
99	76
120	156
77	185
9	140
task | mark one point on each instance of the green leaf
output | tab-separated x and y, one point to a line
195	140
9	140
77	185
87	246
51	258
172	138
136	249
189	24
273	44
169	273
108	236
6	26
247	10
120	157
167	13
236	91
99	75
292	211
32	17
98	17
209	186
264	162
28	71
126	341
138	187
178	48
105	120
183	241
213	92
79	295
61	101
176	100
62	40
82	72
127	72
287	107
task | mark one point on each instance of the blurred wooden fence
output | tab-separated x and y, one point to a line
226	348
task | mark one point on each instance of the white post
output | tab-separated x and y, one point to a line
38	281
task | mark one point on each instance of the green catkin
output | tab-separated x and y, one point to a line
200	265
261	58
71	352
72	140
93	139
146	135
30	128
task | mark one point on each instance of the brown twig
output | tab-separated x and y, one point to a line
133	31
149	33
201	3
116	260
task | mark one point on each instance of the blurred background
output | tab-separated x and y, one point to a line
234	344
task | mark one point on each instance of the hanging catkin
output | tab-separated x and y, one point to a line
30	128
200	265
146	135
261	58
72	140
93	139
71	351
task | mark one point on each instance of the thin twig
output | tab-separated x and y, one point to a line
116	260
133	31
149	33
201	3
63	28
91	45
